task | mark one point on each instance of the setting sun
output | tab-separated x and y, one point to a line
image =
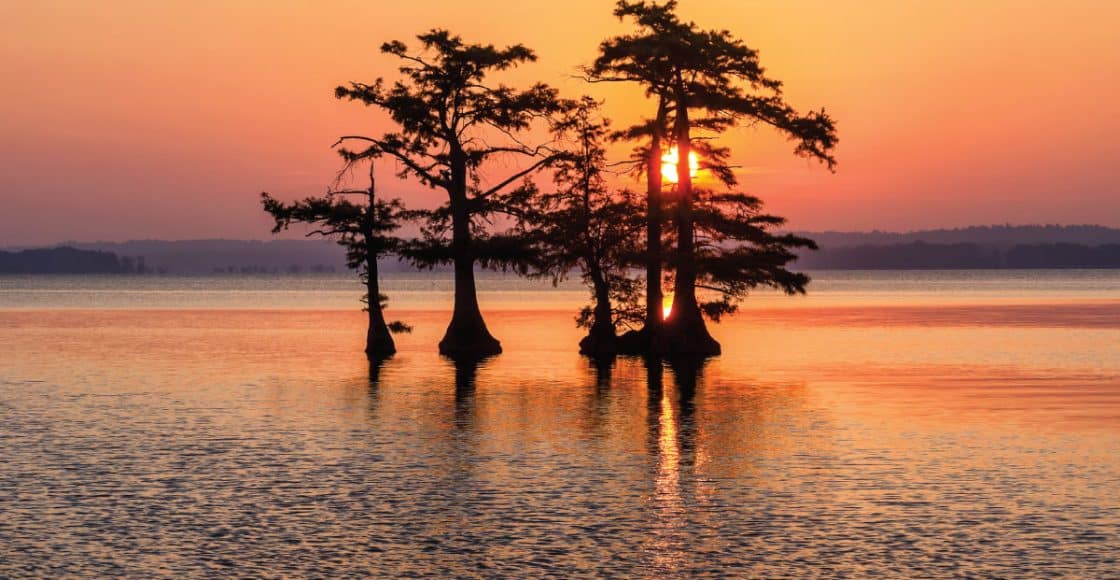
669	165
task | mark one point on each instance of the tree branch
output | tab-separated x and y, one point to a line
424	173
517	176
714	289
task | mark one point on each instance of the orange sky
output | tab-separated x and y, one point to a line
137	119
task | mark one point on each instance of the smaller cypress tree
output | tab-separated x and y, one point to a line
583	226
365	230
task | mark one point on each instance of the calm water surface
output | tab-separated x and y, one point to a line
899	424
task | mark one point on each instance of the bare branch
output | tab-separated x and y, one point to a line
354	137
714	289
422	171
516	176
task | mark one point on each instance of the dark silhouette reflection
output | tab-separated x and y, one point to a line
375	365
672	412
603	367
655	388
687	372
671	417
466	374
462	433
373	387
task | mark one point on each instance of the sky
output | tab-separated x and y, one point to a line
134	119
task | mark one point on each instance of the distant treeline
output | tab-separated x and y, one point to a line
70	260
291	269
232	256
837	252
995	235
926	256
67	260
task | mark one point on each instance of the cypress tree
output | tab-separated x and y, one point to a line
583	225
364	229
452	124
706	82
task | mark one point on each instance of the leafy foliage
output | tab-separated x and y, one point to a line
582	225
361	229
451	124
709	70
738	251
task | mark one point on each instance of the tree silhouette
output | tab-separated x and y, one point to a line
582	225
451	125
645	59
365	230
718	77
736	251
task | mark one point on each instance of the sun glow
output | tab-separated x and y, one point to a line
666	305
669	165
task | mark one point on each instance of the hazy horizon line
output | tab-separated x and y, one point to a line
296	237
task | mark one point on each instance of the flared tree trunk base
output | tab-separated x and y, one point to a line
379	341
599	343
634	342
469	341
677	344
380	348
685	336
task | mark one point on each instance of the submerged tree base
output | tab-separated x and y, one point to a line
671	341
380	346
469	342
685	336
599	344
379	340
634	342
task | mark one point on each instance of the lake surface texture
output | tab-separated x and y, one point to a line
921	424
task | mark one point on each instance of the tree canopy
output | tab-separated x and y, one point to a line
452	122
704	82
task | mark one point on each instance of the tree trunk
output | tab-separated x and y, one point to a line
685	332
601	339
654	297
641	342
379	341
467	335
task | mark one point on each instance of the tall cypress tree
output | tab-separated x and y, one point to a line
719	78
452	123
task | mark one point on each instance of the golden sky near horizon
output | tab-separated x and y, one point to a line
136	119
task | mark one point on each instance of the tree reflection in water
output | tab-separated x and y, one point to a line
672	434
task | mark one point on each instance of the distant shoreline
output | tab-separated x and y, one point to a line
913	256
973	248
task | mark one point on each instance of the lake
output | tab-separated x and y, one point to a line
920	424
